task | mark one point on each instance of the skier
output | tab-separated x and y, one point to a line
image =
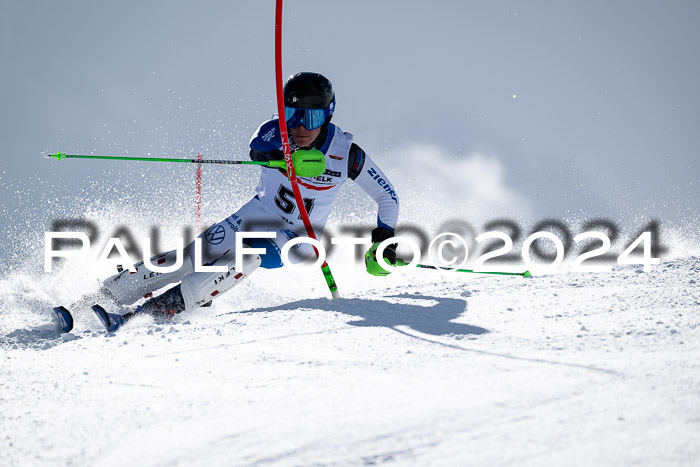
309	105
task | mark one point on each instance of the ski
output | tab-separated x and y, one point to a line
111	321
63	318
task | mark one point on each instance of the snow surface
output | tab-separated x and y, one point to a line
429	368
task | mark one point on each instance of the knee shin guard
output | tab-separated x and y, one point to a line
199	288
128	287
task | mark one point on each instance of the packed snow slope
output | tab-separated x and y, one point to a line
423	368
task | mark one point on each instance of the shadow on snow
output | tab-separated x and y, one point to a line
422	313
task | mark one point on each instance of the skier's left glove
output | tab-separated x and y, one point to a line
371	263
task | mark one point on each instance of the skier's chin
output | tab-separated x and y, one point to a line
303	142
303	137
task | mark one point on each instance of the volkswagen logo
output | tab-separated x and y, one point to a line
215	234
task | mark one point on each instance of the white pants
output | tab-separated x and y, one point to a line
218	248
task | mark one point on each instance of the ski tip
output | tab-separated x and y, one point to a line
527	274
110	321
58	155
103	316
63	318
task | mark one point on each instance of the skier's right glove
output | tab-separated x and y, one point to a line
308	162
371	262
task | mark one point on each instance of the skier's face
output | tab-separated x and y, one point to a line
303	137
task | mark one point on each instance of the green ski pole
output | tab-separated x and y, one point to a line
61	156
400	262
307	163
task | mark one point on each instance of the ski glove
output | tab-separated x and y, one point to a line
371	263
308	162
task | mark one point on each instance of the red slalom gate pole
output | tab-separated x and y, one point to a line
198	197
287	153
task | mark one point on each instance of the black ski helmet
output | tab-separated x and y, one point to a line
309	90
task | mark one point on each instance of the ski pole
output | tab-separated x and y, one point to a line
279	164
400	262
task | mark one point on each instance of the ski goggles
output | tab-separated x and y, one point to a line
310	118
